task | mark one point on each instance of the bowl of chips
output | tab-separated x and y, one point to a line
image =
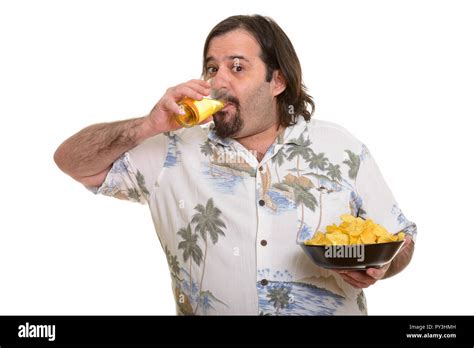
354	244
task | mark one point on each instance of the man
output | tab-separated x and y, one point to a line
231	199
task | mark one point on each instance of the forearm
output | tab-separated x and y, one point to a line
401	260
95	148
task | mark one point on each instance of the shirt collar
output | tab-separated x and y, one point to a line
296	134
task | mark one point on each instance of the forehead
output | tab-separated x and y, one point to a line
234	43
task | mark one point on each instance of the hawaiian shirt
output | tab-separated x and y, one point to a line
230	226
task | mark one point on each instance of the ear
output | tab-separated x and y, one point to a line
278	83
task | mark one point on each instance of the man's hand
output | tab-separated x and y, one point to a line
364	279
161	118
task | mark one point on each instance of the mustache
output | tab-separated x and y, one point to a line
225	97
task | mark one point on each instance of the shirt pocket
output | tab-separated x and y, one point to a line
328	204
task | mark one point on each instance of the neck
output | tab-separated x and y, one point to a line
260	142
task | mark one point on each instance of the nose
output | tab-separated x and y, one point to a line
220	81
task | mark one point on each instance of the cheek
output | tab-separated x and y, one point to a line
253	98
259	99
241	93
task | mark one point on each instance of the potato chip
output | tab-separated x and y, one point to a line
348	218
319	238
333	228
354	230
379	231
368	237
354	240
338	238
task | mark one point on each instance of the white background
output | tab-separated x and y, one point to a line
399	75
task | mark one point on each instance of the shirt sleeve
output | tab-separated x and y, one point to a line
134	175
377	201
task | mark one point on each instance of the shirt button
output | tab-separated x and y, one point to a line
260	168
261	202
264	282
263	242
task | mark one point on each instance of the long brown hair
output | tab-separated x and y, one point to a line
278	53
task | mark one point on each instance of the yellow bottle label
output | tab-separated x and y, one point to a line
207	107
197	111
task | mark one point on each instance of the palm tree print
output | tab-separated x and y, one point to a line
182	300
318	161
133	194
353	163
278	159
208	223
300	187
280	297
304	198
299	149
334	172
191	249
141	183
189	245
361	303
328	175
206	299
174	264
206	148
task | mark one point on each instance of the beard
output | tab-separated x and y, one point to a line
227	125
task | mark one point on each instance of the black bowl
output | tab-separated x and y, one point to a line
355	257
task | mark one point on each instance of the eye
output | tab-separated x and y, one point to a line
237	68
211	70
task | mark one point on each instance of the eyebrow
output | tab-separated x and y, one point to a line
208	59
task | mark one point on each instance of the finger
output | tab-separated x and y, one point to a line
361	277
199	87
359	284
187	91
203	83
342	271
353	282
171	105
